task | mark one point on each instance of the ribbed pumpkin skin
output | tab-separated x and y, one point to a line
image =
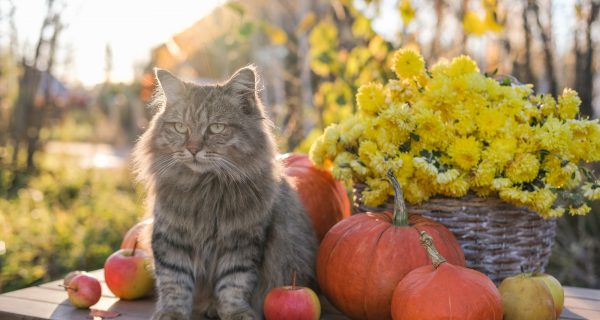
323	197
363	257
448	292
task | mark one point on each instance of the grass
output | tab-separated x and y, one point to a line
62	219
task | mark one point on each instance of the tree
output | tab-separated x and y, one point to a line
27	119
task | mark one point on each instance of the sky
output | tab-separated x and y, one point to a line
131	28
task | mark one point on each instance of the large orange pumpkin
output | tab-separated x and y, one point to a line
363	257
324	198
444	291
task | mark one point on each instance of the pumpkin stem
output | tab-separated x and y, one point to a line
427	243
400	217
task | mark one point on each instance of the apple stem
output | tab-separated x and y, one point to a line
67	287
134	246
294	280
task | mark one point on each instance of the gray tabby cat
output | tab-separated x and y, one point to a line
227	225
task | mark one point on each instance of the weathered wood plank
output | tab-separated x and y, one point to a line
579	314
585	293
49	301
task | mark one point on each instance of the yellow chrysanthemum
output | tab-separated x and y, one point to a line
542	200
501	183
367	150
350	130
406	168
462	65
555	136
447	176
429	128
317	151
407	12
465	152
376	193
568	104
591	191
523	168
416	192
554	212
579	211
331	138
500	151
473	24
408	63
370	98
423	166
515	196
485	173
557	174
455	188
489	122
548	105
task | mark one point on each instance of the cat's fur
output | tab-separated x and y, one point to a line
227	225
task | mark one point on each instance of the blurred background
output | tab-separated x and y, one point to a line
76	78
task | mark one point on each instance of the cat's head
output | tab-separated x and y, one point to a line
219	128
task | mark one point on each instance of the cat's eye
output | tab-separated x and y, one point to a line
180	127
216	128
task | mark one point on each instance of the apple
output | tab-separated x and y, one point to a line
556	289
138	235
67	279
84	290
526	297
291	303
128	274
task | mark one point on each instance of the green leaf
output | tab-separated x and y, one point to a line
237	7
246	29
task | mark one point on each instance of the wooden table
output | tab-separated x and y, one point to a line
49	301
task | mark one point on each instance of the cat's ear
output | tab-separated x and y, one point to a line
172	87
243	85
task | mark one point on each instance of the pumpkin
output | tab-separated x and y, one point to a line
324	198
138	233
444	291
363	257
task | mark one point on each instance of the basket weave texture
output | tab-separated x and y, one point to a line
496	237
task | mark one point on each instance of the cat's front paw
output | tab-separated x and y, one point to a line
243	315
168	315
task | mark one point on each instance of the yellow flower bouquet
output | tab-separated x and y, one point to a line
450	130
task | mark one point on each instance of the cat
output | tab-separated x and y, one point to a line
228	227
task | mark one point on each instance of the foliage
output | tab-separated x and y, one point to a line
65	218
450	130
344	66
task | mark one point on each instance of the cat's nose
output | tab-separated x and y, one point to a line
193	149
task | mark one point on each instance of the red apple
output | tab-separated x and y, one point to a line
138	236
291	303
84	290
128	274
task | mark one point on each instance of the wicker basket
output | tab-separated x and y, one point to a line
497	238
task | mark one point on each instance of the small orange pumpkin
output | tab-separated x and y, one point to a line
444	291
363	257
324	198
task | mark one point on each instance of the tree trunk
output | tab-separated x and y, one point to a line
39	112
584	63
524	71
545	34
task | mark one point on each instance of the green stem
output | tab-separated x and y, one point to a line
427	243
400	217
